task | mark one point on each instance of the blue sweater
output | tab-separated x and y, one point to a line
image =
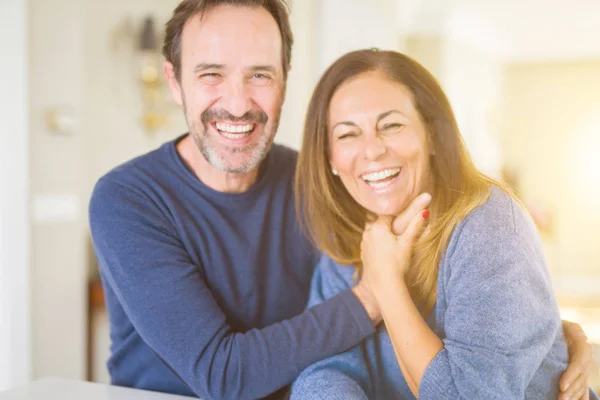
495	312
205	290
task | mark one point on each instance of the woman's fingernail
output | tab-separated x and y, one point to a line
425	214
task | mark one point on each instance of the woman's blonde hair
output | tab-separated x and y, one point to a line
335	221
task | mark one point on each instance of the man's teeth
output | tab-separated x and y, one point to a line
373	177
226	128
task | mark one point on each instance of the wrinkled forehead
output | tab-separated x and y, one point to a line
233	36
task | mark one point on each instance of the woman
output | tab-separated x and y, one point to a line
464	291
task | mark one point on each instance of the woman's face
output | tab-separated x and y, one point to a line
378	143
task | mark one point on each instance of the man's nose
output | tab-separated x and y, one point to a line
237	100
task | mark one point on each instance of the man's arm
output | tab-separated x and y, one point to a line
344	376
574	381
172	308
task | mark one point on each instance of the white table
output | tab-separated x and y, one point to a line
62	389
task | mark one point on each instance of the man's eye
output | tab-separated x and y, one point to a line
210	76
260	79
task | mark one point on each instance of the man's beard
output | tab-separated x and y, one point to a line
199	130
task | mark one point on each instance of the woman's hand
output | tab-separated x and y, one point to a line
417	206
385	256
386	252
363	289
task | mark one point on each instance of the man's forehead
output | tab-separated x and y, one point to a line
228	34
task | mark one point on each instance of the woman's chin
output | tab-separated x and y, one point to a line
385	208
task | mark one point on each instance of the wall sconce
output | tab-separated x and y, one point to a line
137	48
152	86
61	121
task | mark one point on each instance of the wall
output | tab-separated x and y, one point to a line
346	25
76	70
472	80
15	311
428	50
57	178
112	118
551	128
303	75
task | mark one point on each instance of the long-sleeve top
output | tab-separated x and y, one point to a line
206	291
495	312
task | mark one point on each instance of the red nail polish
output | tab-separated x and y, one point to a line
425	214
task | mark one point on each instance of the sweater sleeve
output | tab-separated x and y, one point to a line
501	319
344	376
171	307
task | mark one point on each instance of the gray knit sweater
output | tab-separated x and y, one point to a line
495	311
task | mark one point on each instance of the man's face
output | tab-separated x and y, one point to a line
232	85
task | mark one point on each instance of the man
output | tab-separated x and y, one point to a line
205	270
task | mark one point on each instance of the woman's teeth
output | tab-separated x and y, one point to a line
234	131
380	185
381	179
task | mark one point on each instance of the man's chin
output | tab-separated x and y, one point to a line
237	163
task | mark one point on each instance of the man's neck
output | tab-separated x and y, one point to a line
215	179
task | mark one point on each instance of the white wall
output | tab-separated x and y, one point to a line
346	25
472	78
473	82
75	69
112	111
303	76
57	175
15	345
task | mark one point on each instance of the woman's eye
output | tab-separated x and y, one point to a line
392	127
346	135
